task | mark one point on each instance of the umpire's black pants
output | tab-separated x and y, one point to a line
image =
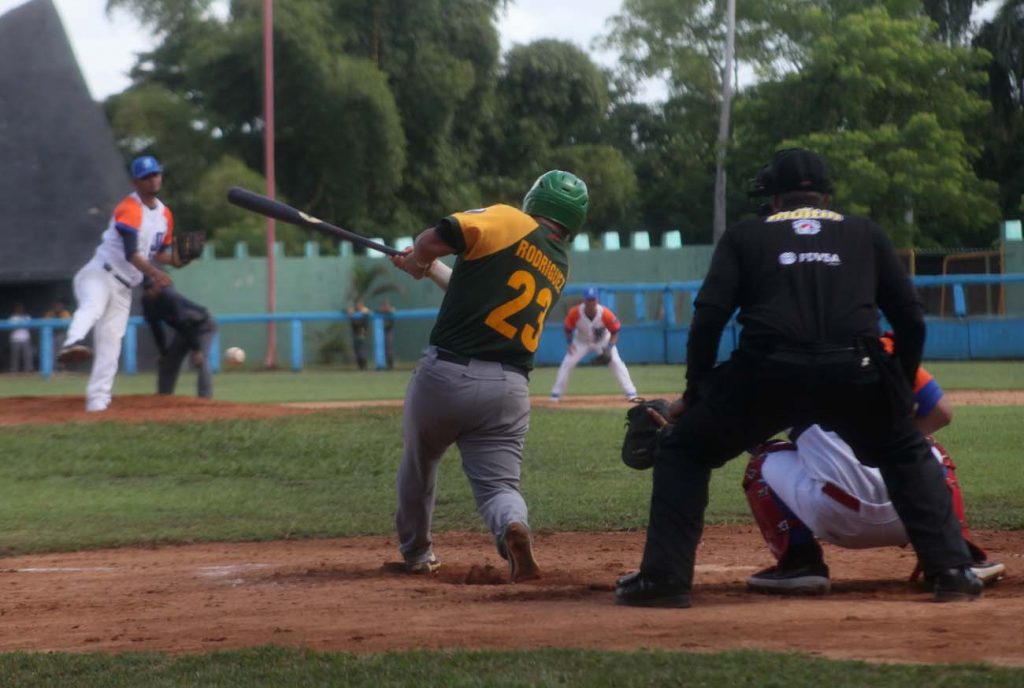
170	364
749	398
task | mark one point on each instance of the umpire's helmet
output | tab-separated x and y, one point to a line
792	169
560	196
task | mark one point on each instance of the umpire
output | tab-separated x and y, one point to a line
809	283
193	328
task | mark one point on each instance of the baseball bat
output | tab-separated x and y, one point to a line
258	203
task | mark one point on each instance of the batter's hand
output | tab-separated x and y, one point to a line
571	348
406	262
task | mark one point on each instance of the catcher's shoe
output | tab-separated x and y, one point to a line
803	580
988	571
647	590
519	550
959	584
74	352
430	565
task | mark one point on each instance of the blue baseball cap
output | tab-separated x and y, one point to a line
144	166
590	294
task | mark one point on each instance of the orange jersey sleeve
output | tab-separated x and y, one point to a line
128	214
170	226
611	323
572	318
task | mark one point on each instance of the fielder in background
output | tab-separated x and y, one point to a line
471	385
359	319
21	341
138	236
193	328
814	488
592	328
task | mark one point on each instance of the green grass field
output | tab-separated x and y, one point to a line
324	384
88	485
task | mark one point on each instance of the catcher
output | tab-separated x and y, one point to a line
812	488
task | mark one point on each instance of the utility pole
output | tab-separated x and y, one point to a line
268	167
723	122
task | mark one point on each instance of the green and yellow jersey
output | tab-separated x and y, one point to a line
509	273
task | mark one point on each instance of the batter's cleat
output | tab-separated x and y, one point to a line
519	550
426	566
646	590
555	398
988	571
959	584
804	580
74	352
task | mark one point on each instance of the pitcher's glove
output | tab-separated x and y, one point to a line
188	246
642	433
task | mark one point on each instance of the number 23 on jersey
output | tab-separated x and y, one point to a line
525	283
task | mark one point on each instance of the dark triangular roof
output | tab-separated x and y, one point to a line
60	172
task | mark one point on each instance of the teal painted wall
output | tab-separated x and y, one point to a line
1013	256
323	283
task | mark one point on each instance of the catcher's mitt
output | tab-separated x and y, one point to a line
188	246
642	433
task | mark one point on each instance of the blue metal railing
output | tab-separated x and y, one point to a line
296	321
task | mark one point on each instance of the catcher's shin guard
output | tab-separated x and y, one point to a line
780	527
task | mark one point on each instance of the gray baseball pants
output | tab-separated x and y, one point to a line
485	411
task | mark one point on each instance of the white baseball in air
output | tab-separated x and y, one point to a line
235	355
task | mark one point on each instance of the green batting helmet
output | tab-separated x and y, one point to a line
560	196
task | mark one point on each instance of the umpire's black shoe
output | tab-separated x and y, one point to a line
645	590
955	585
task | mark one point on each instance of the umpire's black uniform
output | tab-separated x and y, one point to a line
808	283
193	327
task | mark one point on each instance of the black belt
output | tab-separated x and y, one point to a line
122	280
451	357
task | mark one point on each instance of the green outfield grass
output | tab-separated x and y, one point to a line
331	473
324	384
280	668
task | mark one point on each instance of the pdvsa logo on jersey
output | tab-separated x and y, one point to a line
789	258
826	258
806	227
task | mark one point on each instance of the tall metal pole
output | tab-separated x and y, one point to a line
723	122
268	165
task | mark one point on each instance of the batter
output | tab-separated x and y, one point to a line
470	388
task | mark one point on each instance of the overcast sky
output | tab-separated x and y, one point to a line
106	46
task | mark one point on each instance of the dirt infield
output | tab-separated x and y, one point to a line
152	408
139	408
344	595
349	594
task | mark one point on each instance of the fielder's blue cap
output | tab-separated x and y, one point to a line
590	293
145	165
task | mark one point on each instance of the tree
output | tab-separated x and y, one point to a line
362	87
894	112
1003	160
